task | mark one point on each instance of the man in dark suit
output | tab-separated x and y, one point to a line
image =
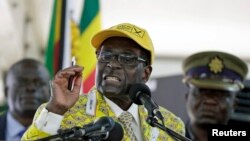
26	87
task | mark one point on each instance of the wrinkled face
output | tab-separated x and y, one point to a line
27	88
208	106
114	77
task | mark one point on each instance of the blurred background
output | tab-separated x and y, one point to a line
178	28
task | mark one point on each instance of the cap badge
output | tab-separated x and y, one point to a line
138	32
132	29
216	65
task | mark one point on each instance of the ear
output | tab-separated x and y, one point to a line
187	92
6	88
146	73
6	91
235	102
186	96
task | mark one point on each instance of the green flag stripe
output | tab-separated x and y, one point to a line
50	47
90	10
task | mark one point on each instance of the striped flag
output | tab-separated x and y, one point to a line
67	39
82	49
58	48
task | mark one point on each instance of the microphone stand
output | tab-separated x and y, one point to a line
151	120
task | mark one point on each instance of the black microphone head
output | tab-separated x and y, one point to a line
105	121
116	133
137	89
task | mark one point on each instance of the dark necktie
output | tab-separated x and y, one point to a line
20	134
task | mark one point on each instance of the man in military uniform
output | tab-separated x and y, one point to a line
213	78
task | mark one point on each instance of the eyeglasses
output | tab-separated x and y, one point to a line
123	59
27	82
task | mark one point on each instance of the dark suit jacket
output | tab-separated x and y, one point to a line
3	122
189	133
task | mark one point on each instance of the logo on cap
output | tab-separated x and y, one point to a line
216	65
132	29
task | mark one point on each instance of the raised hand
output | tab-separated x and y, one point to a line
62	98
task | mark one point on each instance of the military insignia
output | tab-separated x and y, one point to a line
216	65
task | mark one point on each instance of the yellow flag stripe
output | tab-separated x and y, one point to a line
58	20
84	51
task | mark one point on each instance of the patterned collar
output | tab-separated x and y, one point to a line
97	106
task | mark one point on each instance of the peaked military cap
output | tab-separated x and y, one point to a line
215	70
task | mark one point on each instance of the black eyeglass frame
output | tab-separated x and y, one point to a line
118	58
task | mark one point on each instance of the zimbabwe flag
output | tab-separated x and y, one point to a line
80	40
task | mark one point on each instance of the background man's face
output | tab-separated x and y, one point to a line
208	106
27	89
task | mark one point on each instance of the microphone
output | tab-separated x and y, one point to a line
115	134
105	128
101	125
140	94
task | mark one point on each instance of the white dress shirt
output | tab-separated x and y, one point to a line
13	127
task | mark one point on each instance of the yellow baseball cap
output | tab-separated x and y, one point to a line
215	70
139	35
